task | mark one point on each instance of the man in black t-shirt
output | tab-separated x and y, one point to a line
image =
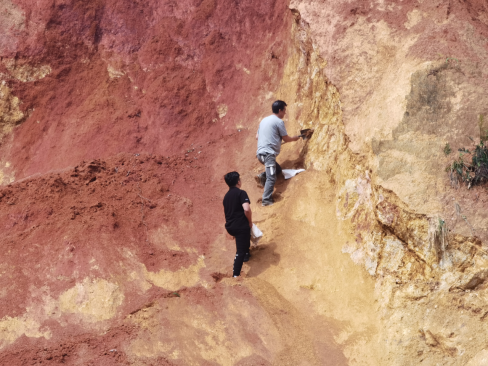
238	219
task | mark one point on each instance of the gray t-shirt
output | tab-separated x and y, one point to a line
271	130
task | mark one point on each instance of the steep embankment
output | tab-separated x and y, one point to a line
118	120
161	95
410	77
142	77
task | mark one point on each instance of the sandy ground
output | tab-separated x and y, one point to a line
118	120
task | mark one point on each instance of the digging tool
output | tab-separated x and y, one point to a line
306	133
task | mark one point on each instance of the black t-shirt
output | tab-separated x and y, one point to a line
235	219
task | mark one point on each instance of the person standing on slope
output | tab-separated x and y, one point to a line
270	133
238	219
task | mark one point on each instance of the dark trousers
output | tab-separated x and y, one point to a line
243	243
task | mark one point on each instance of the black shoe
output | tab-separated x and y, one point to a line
246	257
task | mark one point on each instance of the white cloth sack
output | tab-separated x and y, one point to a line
289	173
256	234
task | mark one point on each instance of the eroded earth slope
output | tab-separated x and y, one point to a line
118	120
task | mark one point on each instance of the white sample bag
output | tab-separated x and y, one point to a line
289	173
256	234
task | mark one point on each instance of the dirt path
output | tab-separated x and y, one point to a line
300	261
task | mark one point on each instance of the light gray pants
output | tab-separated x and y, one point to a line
272	169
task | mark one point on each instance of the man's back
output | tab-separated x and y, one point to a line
271	130
233	210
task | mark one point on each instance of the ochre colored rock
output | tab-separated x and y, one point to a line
118	120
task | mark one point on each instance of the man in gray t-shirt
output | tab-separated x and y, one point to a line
270	133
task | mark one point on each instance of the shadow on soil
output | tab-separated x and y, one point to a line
262	257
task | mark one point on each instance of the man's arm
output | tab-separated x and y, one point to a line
257	135
284	134
290	139
247	211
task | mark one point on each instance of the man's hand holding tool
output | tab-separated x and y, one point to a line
306	134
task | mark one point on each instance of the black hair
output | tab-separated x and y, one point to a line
277	106
231	179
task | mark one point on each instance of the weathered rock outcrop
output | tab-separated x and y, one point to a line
118	120
407	74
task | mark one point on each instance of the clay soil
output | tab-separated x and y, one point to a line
111	205
118	120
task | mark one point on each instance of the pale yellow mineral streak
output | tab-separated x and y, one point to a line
222	110
94	300
25	72
10	113
13	328
113	73
185	277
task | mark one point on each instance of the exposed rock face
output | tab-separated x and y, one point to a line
407	74
118	120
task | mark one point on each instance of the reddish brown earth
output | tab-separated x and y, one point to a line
118	120
56	225
184	59
82	213
101	162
